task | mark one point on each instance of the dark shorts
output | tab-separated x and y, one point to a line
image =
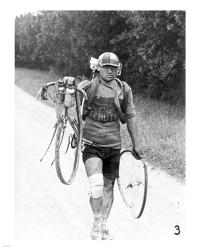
109	156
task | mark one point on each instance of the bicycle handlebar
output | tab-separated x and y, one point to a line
45	86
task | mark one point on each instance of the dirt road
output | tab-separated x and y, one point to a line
47	209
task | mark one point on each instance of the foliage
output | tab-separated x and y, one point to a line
150	45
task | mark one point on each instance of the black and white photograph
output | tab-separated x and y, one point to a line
100	125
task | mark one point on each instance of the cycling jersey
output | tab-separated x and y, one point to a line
102	114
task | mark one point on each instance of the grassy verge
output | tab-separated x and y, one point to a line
31	80
162	126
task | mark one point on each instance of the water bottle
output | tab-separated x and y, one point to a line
60	92
69	97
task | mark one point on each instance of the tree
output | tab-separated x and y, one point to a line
154	54
150	45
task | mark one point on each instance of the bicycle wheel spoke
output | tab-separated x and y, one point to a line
132	183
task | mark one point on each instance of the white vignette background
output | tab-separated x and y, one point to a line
7	135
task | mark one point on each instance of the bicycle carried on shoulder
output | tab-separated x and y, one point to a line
74	124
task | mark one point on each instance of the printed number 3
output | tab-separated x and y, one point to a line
177	230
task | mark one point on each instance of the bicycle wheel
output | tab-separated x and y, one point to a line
132	182
68	148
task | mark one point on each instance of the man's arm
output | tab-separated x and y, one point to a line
134	134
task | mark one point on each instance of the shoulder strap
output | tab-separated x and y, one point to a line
119	107
121	83
125	92
92	91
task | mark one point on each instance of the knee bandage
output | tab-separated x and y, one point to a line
96	185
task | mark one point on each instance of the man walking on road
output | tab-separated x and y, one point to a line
109	102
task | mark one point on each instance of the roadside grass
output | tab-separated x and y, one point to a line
31	81
161	126
162	130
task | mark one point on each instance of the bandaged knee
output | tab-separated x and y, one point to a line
96	185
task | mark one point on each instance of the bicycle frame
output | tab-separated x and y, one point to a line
66	115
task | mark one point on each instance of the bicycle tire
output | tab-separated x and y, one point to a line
130	183
77	149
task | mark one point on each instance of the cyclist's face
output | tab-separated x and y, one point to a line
107	72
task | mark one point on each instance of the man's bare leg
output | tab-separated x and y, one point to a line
108	197
94	166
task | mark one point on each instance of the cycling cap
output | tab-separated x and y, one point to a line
108	58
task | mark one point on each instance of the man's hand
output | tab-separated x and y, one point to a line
138	153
